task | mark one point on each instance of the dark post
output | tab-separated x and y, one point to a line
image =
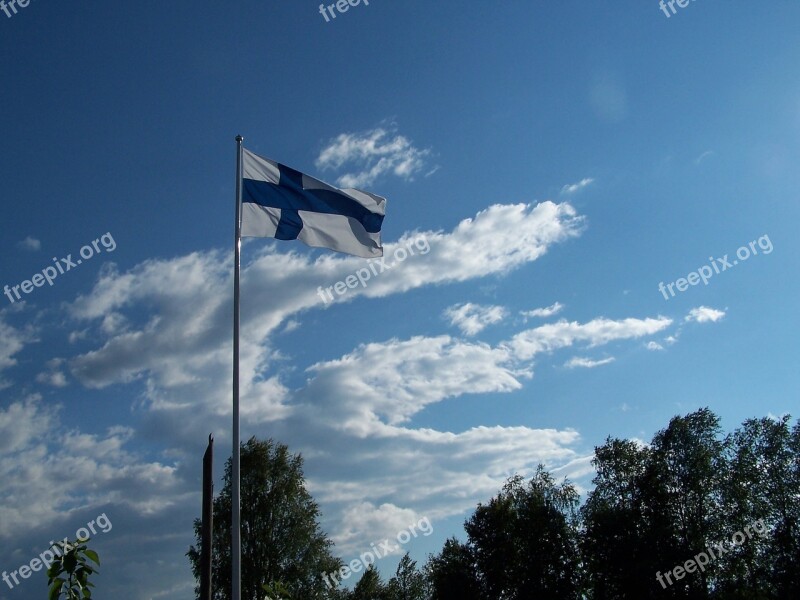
208	521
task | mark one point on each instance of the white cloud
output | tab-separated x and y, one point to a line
548	311
704	314
12	341
291	325
392	381
651	345
471	319
587	363
704	155
575	187
562	334
373	153
355	417
183	352
45	467
53	377
30	243
365	521
75	336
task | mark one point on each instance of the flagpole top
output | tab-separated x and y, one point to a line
239	139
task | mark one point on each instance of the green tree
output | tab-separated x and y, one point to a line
283	546
408	583
370	586
525	540
762	488
452	574
69	573
682	496
617	565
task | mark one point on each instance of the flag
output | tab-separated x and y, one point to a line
282	203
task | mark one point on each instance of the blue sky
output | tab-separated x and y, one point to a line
558	160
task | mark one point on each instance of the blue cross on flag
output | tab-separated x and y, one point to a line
284	204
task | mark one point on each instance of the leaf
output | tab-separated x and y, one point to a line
93	556
70	562
54	569
55	589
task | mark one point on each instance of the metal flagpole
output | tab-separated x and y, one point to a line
236	526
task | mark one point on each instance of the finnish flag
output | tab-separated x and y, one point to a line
282	203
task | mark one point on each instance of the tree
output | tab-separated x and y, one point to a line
761	488
370	586
282	544
682	494
616	562
69	573
408	583
525	540
452	574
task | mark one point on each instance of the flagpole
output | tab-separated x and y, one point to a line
236	526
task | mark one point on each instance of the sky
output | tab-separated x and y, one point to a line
568	185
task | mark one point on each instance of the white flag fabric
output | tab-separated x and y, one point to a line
282	203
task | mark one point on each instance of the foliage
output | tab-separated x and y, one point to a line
69	573
653	508
408	583
282	544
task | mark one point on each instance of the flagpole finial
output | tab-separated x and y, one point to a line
239	139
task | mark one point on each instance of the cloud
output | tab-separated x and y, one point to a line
562	334
389	382
53	377
46	467
366	521
471	319
704	155
587	363
704	314
374	153
176	349
12	341
654	346
359	419
291	325
383	385
575	187
362	404
30	243
548	311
